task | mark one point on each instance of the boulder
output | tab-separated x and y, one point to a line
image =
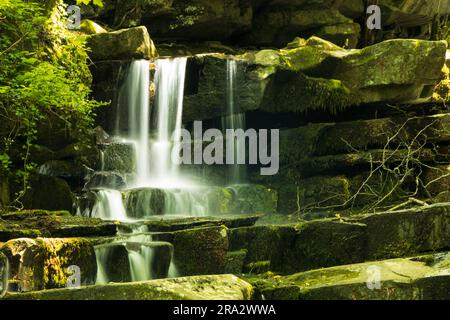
221	287
323	244
146	202
406	232
312	75
418	278
315	192
90	27
105	180
118	157
38	264
291	248
201	250
133	43
409	67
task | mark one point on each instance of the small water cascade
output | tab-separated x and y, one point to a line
135	258
134	95
154	168
169	79
155	187
109	206
234	120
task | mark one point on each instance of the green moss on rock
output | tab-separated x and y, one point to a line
42	263
201	251
220	287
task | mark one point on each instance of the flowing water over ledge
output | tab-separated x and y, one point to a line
155	187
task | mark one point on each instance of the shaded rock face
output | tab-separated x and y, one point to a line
278	26
275	23
329	242
315	75
48	193
134	43
107	77
42	263
108	180
118	157
325	164
220	287
419	278
198	19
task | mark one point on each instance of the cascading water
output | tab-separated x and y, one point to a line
234	121
135	95
154	169
169	79
109	206
156	178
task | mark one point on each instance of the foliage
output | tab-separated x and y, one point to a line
98	3
43	78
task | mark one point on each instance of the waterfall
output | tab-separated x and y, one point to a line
140	263
138	254
109	206
169	80
135	96
138	258
102	257
234	120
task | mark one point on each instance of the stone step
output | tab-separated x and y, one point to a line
419	278
221	287
158	224
42	223
204	201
